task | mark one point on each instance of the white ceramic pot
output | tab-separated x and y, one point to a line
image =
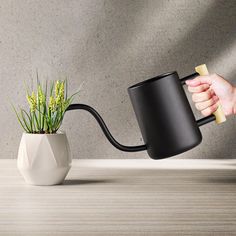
44	159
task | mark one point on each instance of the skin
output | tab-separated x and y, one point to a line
208	91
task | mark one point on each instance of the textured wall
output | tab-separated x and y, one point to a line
110	45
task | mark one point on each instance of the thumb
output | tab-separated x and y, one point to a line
205	79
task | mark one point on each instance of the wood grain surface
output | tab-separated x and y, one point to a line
123	197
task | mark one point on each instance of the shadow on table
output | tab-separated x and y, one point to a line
222	177
221	180
87	181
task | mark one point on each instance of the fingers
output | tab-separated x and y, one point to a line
198	89
208	111
203	96
193	83
204	105
206	79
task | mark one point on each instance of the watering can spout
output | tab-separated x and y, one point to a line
105	129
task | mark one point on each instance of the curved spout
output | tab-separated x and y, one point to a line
105	129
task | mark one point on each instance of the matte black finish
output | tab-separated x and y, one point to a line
205	120
164	116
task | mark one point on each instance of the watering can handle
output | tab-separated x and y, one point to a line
219	114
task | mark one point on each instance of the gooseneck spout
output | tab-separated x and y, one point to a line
105	129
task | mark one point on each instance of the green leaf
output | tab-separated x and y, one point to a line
19	120
66	89
26	89
25	121
29	118
51	88
37	77
36	121
38	103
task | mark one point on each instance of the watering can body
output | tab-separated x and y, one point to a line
164	115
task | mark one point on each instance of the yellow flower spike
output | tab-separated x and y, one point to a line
59	92
62	91
33	97
34	102
41	95
57	88
28	99
51	104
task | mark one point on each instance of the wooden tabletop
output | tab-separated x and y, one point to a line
123	197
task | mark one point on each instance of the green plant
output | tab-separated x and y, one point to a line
45	113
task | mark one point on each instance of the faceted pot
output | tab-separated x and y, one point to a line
44	159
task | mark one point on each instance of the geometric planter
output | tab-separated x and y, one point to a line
44	159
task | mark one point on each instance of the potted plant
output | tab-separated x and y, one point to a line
44	153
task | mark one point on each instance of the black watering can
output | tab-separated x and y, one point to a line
164	116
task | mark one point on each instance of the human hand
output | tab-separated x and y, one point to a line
211	90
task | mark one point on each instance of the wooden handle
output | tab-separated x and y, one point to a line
219	114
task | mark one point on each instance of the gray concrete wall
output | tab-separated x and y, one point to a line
110	45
